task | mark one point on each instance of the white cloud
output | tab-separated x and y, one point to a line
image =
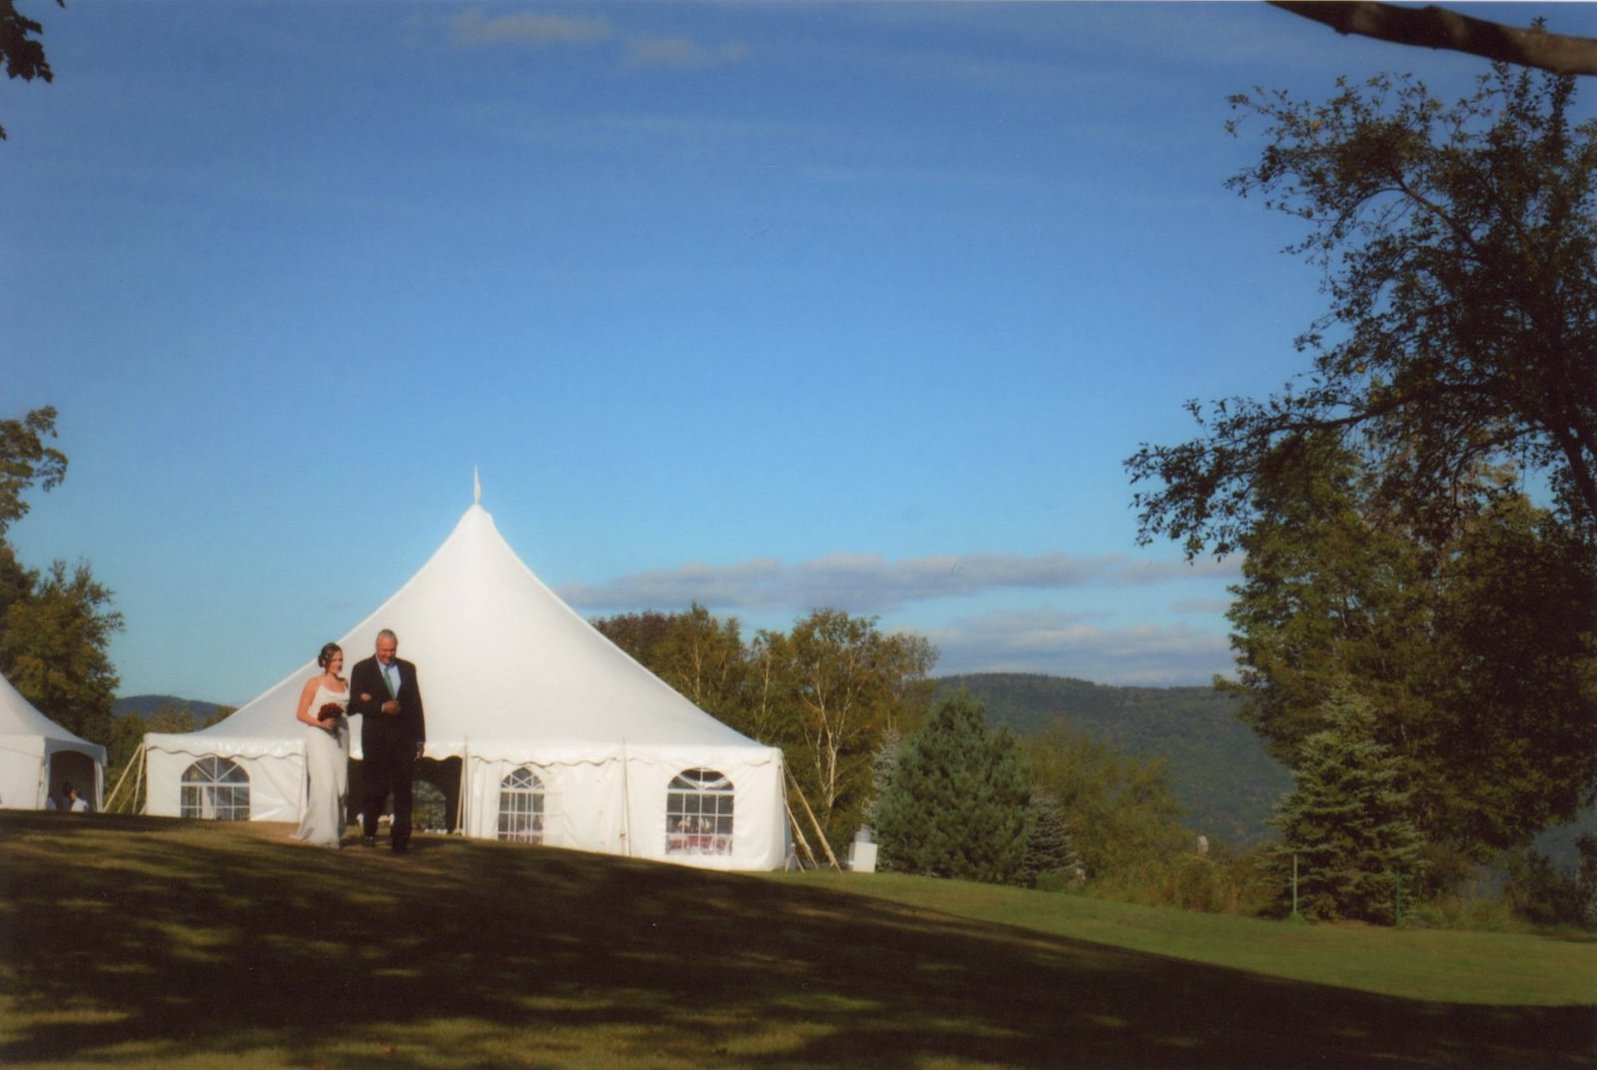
1090	645
474	29
861	583
1063	644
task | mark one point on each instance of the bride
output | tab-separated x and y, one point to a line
322	702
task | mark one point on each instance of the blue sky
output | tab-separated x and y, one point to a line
768	306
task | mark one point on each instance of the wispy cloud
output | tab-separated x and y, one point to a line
474	29
863	583
1064	644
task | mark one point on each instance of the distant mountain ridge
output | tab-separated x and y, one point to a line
145	705
1218	767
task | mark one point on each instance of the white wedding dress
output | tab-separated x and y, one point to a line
327	768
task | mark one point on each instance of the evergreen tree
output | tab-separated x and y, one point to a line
883	762
1048	851
1345	822
956	802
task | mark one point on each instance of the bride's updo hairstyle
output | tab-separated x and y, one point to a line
327	654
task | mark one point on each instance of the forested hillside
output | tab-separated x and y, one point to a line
1218	767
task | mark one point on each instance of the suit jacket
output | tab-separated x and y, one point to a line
366	678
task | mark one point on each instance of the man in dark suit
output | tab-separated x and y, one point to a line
393	734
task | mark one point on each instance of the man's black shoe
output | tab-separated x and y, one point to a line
368	841
402	848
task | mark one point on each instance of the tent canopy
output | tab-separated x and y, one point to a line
30	743
510	676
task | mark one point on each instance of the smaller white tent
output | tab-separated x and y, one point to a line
561	738
37	755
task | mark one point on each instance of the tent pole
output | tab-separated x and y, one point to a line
626	800
137	758
138	782
460	792
799	834
819	832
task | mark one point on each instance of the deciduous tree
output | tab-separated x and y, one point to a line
1437	27
1121	812
828	692
844	685
26	460
702	657
22	53
1460	249
53	650
1479	652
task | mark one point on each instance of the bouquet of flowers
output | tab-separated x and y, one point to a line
330	711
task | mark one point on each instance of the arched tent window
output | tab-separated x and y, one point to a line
698	814
521	807
216	789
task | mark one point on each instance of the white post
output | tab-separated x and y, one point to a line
465	785
626	800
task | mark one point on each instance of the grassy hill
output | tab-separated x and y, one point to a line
141	942
1218	767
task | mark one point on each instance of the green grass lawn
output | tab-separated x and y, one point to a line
1498	969
134	942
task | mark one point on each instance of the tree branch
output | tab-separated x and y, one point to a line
1437	27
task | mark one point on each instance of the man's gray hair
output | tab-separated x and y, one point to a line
387	633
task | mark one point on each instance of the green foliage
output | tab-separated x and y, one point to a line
127	736
1480	651
1345	822
702	658
1460	250
23	56
1541	894
829	692
1123	819
1516	630
956	801
25	460
1049	860
841	687
883	762
1222	776
53	649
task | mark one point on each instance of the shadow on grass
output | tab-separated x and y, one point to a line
131	940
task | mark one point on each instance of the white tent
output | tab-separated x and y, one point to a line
561	738
37	755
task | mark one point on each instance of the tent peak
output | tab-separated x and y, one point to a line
476	486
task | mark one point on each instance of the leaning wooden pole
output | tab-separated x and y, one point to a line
820	833
798	833
136	760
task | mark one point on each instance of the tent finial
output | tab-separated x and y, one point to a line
476	487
